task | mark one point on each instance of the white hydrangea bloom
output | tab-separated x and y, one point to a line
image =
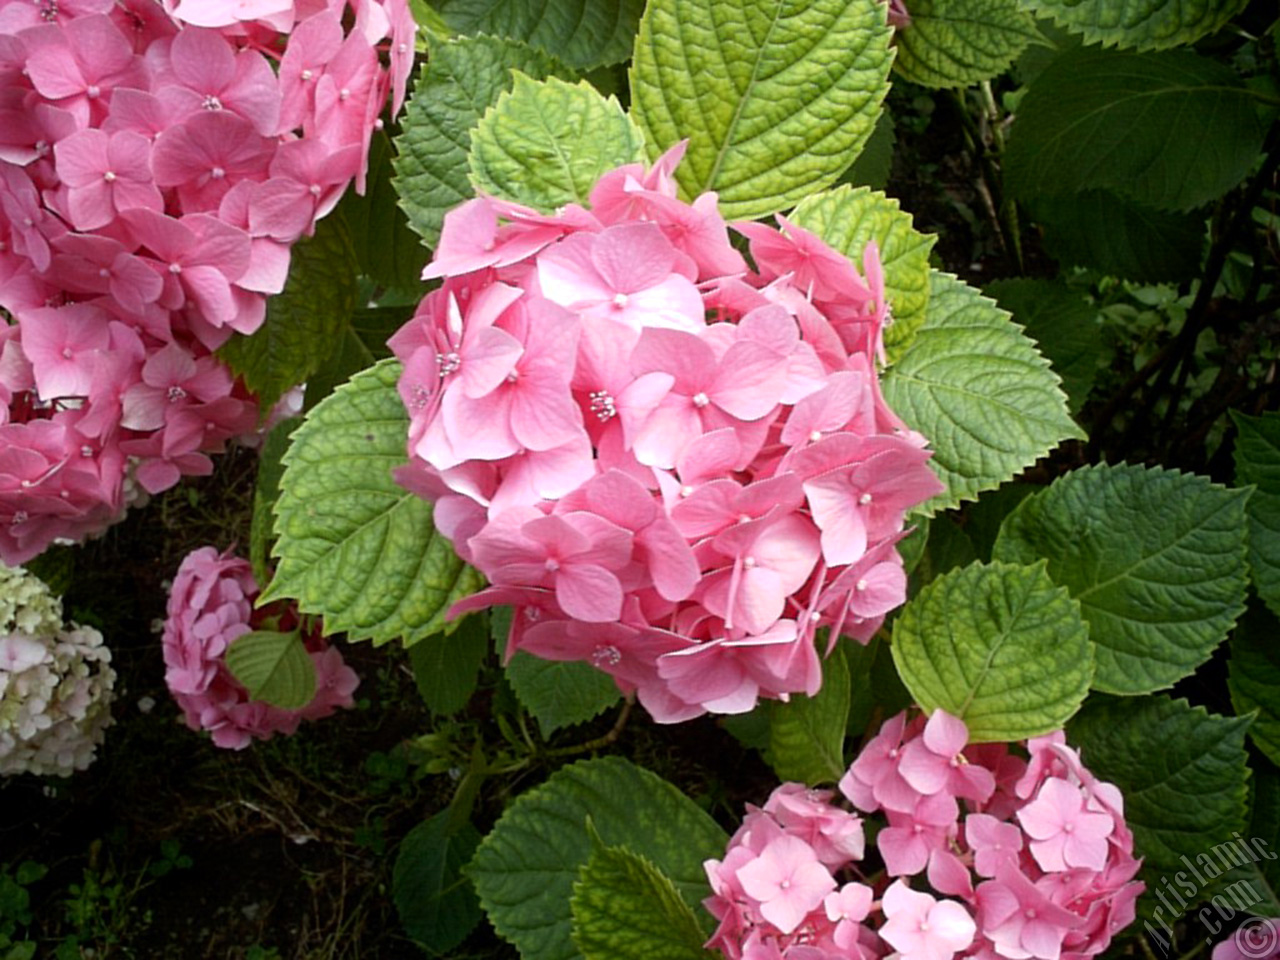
55	682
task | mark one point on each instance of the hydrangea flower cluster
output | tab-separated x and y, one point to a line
673	465
211	605
1026	857
156	164
55	682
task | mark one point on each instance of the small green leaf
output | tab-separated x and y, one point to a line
560	694
1141	24
1263	874
445	669
1182	772
776	98
948	547
525	869
547	142
847	219
1257	455
1156	559
274	667
1063	324
1113	234
463	78
955	43
978	389
353	545
304	320
1254	677
875	161
1170	130
436	904
624	908
585	34
806	734
999	646
386	249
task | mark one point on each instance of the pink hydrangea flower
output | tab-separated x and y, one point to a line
623	362
210	607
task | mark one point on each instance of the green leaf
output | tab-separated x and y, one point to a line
776	98
997	645
1181	769
1170	130
875	161
560	694
1254	677
978	389
624	908
463	78
274	667
547	142
304	320
1141	24
1063	324
954	43
1112	234
445	669
948	547
1257	455
525	869
354	546
1261	875
585	34
386	249
806	734
436	904
266	490
847	218
1155	558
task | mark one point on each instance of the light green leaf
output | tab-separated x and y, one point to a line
353	545
386	249
978	389
445	669
999	646
624	908
436	904
847	218
1063	324
560	694
1182	772
463	78
954	43
1142	24
1254	677
1257	455
1156	559
525	869
585	34
806	734
274	667
1110	233
1170	130
776	98
547	142
304	320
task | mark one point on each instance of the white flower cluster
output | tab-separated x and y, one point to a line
55	682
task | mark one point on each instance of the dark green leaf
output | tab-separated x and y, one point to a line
560	694
1257	455
266	490
386	249
436	903
806	734
954	43
446	669
304	320
1254	677
1141	24
585	34
1171	130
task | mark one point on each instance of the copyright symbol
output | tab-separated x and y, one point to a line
1257	938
